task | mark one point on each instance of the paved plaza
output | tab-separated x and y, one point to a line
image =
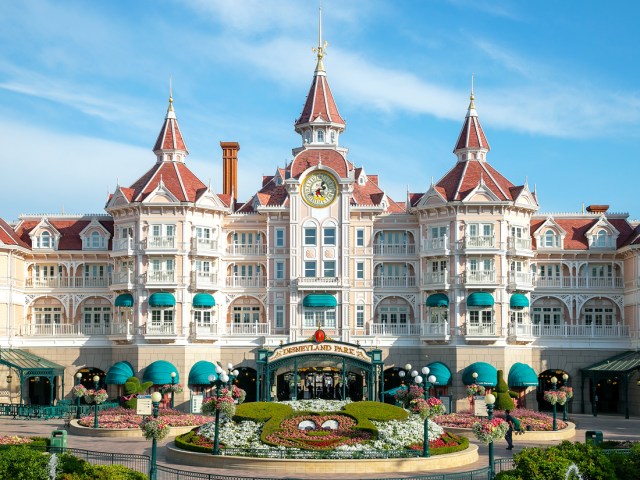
612	427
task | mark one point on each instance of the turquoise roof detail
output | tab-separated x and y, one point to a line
162	299
124	300
522	375
438	300
119	373
518	300
199	373
320	300
480	299
159	372
204	300
441	372
487	374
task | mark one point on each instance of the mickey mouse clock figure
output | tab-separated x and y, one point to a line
319	189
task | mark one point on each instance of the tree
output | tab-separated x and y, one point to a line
503	399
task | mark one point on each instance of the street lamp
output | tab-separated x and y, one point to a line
565	379
96	382
218	380
153	470
426	384
173	382
233	374
78	379
554	387
490	400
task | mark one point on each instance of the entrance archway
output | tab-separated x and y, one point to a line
247	380
40	390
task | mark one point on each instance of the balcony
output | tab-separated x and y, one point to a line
160	277
122	280
311	283
205	280
565	330
482	277
481	331
395	282
160	330
203	246
435	280
246	250
394	329
520	281
394	250
435	246
246	282
67	282
519	246
123	246
161	243
480	242
251	329
75	329
435	331
585	283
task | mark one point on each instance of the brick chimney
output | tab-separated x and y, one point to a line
597	208
230	169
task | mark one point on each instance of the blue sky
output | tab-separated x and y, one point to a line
84	87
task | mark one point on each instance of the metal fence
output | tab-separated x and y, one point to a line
45	412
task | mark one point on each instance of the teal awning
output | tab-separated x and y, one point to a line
393	391
518	300
159	372
199	373
124	300
487	374
320	300
522	375
204	300
119	373
438	300
441	372
162	299
480	299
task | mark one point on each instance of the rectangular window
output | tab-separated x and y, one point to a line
438	232
310	236
360	237
309	268
329	236
359	316
279	270
329	268
360	270
279	316
279	237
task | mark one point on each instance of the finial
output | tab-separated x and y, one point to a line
471	97
432	182
320	50
170	94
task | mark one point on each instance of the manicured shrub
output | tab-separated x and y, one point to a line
23	463
627	466
503	399
269	412
133	387
364	412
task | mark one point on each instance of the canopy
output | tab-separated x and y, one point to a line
487	374
518	300
159	372
441	372
29	364
199	373
162	299
119	373
438	300
320	300
522	375
203	300
393	391
480	299
124	300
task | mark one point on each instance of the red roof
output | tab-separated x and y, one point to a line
175	176
465	176
577	228
8	236
320	103
313	156
69	231
472	136
170	137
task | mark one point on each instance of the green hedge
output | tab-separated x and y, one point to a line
184	442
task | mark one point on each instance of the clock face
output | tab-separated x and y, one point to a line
319	189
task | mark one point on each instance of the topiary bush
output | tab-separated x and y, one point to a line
23	463
503	399
133	387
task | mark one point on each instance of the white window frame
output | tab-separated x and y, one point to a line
279	270
312	316
311	236
359	316
394	314
279	237
308	264
360	270
329	269
279	314
359	237
329	240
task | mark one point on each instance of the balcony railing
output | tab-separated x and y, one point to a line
435	245
161	276
68	282
247	329
481	241
256	282
123	277
318	282
399	281
579	282
520	280
565	330
435	278
516	243
394	249
75	329
480	330
240	249
435	329
395	329
123	244
205	245
480	277
160	329
205	279
161	242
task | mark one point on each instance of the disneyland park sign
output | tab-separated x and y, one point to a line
326	348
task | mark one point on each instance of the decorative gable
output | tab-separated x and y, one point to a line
94	236
602	235
161	194
481	193
45	235
431	197
550	235
526	198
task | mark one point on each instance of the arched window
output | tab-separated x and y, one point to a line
551	239
45	240
320	136
96	240
602	239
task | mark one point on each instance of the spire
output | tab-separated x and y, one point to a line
321	48
170	145
472	138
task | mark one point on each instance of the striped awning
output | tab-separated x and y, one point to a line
124	300
204	300
200	372
162	299
522	375
320	300
159	372
487	374
518	300
438	300
119	373
441	372
480	299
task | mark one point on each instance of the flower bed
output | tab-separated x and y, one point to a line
117	418
530	420
14	440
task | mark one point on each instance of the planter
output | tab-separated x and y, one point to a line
529	437
75	429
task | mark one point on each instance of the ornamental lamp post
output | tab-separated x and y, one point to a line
565	379
173	394
153	469
96	383
426	384
218	380
78	379
233	374
490	400
554	387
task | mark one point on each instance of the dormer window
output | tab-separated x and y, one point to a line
45	240
94	241
602	239
320	136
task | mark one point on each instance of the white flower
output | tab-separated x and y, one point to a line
317	405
